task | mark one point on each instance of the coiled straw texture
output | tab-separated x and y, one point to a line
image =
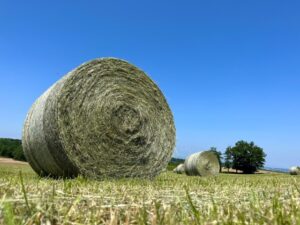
179	169
105	118
203	163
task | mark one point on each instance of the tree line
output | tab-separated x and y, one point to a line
11	148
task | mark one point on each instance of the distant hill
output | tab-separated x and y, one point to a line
280	170
11	148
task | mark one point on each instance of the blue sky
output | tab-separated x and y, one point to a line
230	70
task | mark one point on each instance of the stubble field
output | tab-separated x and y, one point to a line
168	199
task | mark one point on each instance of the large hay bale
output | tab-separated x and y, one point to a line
179	169
204	163
105	118
295	170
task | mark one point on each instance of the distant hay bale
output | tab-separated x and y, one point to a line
179	169
295	170
204	163
105	118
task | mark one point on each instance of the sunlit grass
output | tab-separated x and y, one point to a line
168	199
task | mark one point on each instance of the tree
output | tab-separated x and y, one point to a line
218	154
18	153
245	156
228	158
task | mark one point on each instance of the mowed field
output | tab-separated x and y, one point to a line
168	199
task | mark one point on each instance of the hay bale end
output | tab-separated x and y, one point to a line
295	170
105	118
203	163
179	169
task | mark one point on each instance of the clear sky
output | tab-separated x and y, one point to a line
230	70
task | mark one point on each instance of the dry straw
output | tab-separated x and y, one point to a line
203	163
179	169
105	118
295	170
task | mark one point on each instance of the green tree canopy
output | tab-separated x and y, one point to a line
11	148
245	156
228	158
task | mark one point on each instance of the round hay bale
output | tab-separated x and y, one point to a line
105	118
204	163
179	169
295	170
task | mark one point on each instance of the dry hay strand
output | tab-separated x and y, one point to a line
295	170
105	118
179	169
203	163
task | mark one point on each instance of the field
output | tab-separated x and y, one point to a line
169	199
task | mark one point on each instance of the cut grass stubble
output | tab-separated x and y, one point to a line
168	199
